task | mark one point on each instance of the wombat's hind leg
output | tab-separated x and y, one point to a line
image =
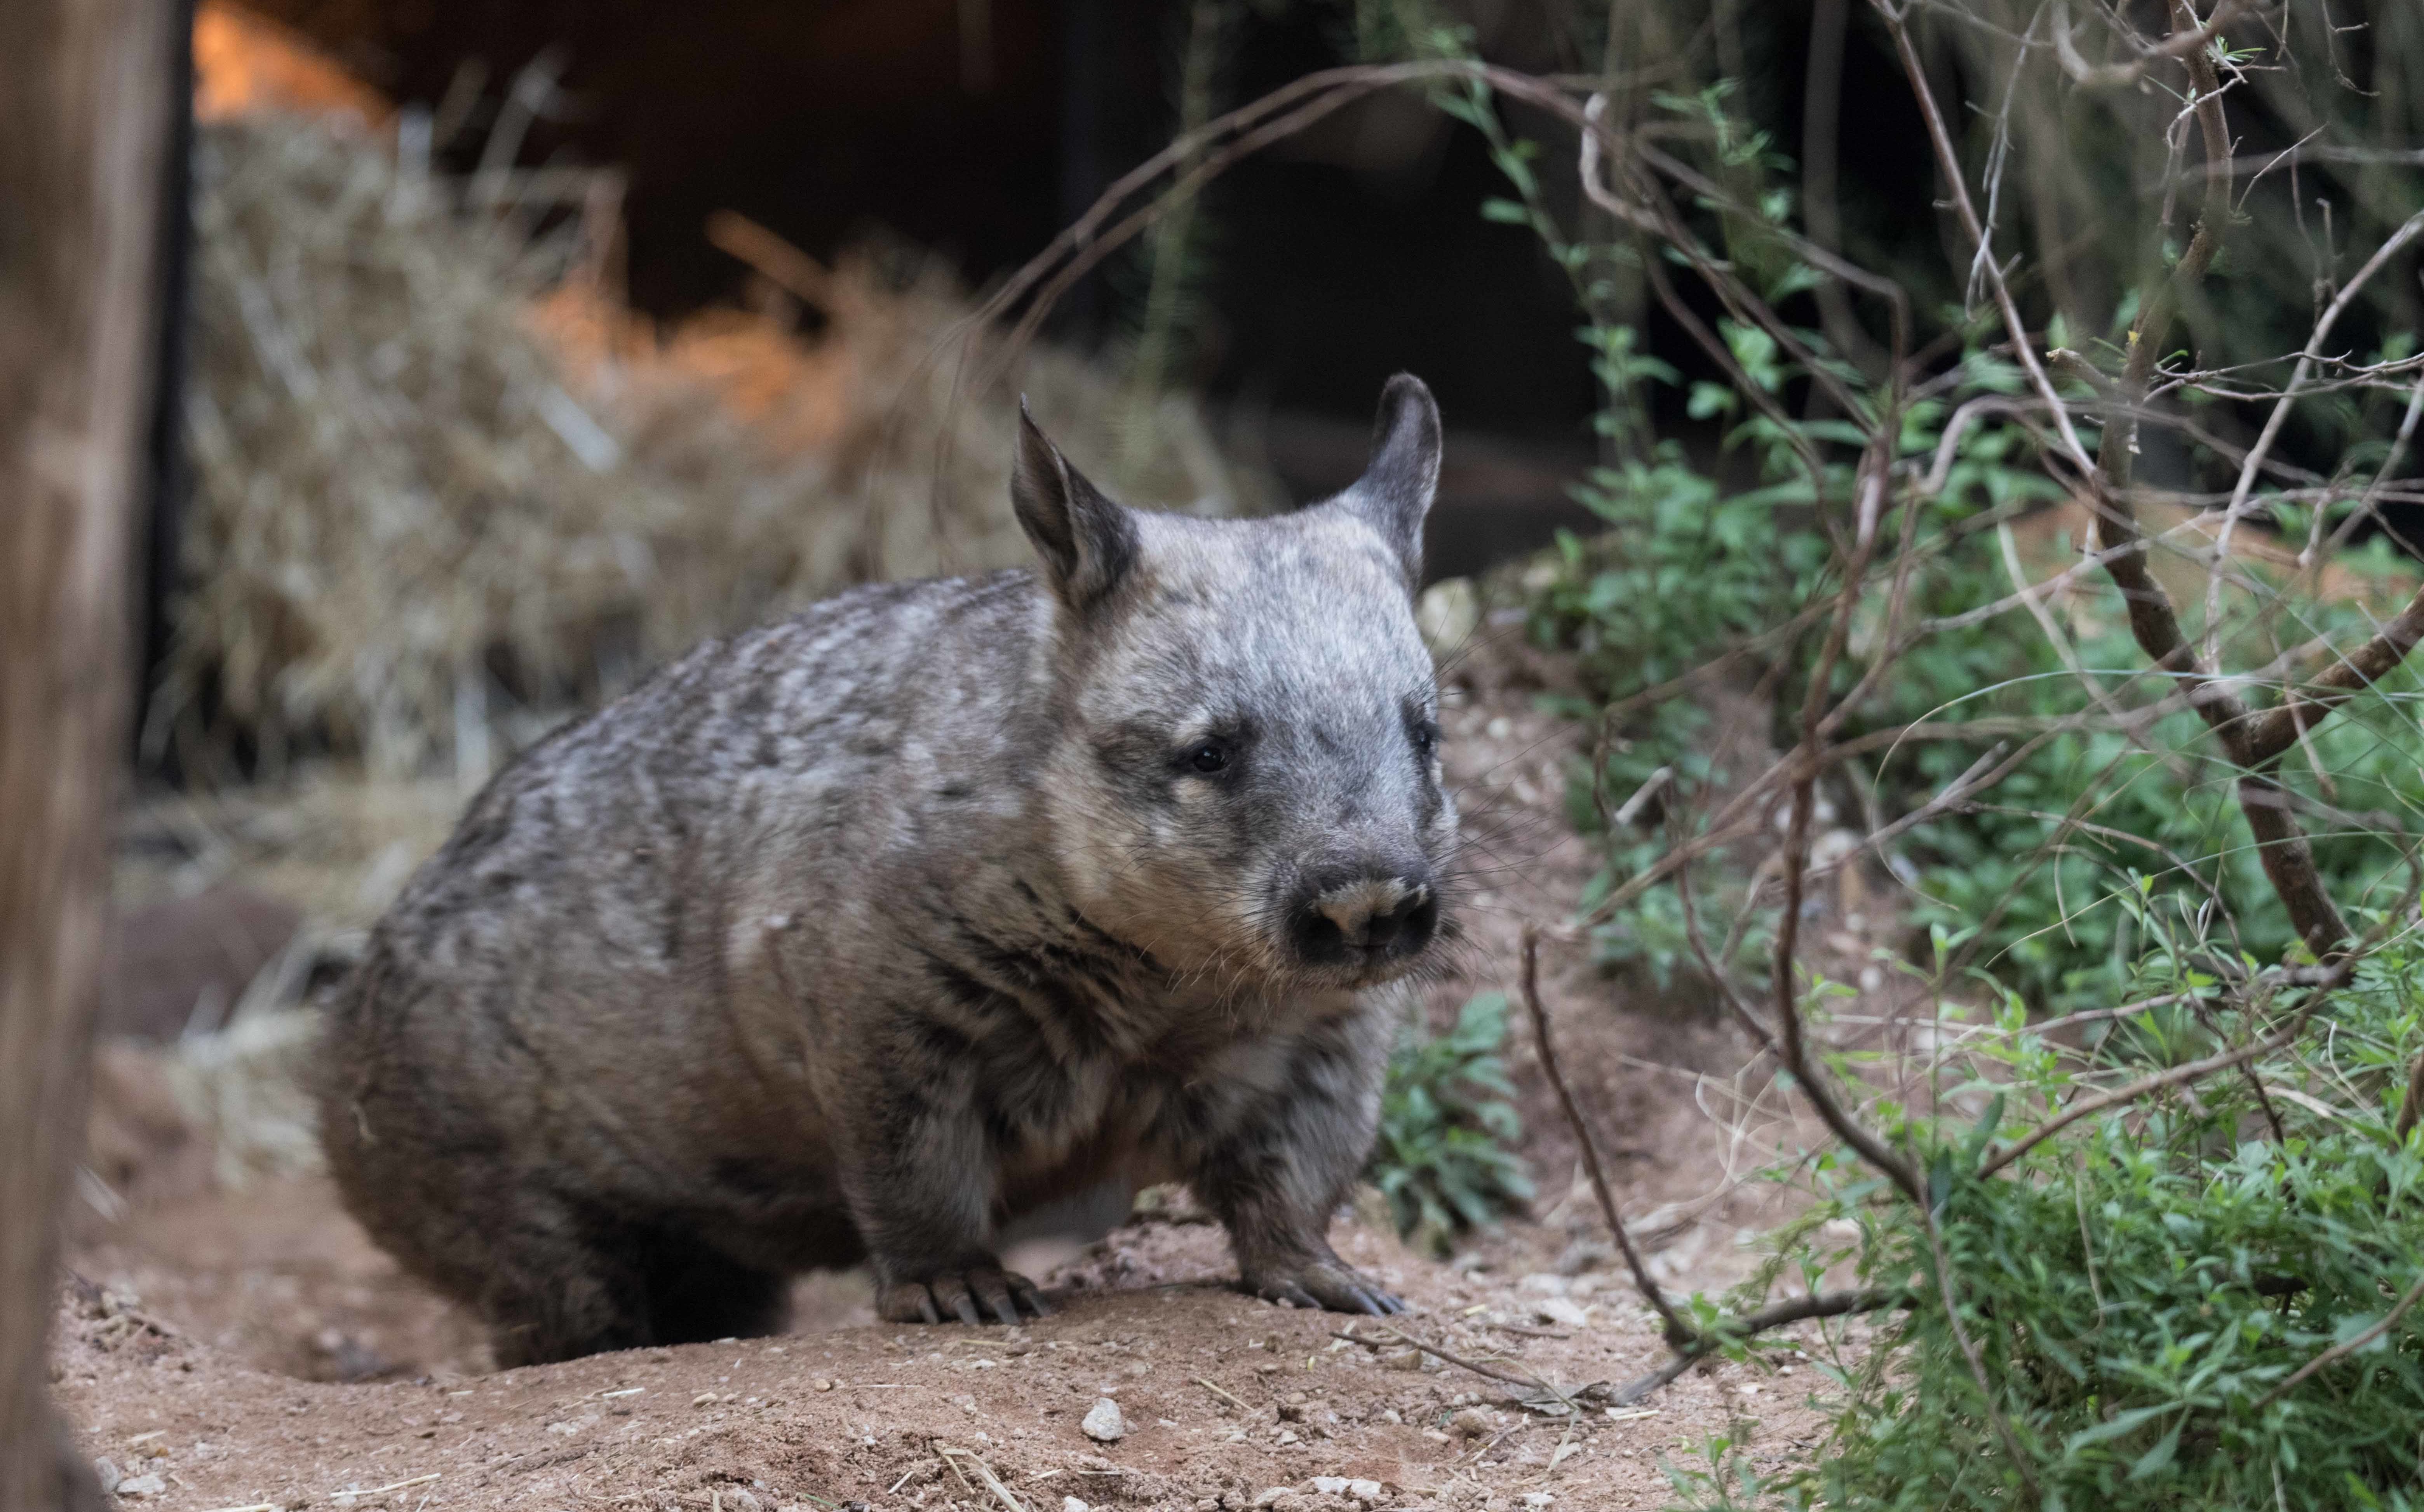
561	1282
552	1287
697	1294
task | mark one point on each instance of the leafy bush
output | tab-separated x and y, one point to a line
2158	1249
2141	1289
1444	1160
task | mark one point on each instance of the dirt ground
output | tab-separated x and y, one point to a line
234	1341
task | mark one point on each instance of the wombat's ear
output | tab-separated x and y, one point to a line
1394	493
1087	541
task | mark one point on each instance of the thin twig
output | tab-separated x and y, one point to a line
2343	1350
1735	1331
2177	1076
1679	1332
1221	1395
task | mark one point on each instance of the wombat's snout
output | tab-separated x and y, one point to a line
1364	916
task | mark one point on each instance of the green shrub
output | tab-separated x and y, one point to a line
2139	1286
1444	1160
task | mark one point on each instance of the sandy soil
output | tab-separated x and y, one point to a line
250	1349
1225	1400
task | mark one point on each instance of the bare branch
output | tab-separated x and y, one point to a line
2120	75
1679	1332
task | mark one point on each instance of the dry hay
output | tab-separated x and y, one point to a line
444	491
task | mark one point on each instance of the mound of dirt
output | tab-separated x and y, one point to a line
276	1360
1219	1402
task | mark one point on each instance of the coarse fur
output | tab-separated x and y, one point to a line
859	934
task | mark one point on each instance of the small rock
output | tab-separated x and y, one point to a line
822	1384
1293	1410
740	1502
1435	1435
1329	1485
1562	1310
142	1486
703	1399
1402	1359
1473	1423
105	1471
1104	1424
1538	1498
1581	1255
1366	1492
1286	1435
1071	1503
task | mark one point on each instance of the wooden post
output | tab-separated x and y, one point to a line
82	122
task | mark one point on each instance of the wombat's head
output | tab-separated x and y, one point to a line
1244	777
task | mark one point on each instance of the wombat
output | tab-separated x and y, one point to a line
856	936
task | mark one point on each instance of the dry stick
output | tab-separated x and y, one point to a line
2367	504
2303	707
1797	1309
2341	1351
1221	1395
1794	1050
985	1471
2139	729
2117	75
2411	1104
1678	1334
2288	860
797	274
2273	423
2175	1076
1478	1367
1717	974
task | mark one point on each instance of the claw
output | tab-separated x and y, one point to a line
1027	1296
992	1288
926	1305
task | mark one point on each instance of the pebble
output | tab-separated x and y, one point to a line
822	1384
142	1486
1364	1492
1473	1423
702	1399
1562	1310
1070	1503
1104	1424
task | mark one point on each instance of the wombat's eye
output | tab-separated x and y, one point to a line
1209	757
1426	735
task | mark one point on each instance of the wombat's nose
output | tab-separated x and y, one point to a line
1358	917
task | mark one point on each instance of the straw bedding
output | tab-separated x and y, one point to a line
446	489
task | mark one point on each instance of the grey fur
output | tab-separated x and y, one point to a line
859	933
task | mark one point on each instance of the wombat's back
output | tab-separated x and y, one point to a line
564	992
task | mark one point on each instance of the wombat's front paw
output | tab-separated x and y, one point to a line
1332	1283
956	1292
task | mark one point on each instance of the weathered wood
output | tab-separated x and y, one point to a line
82	122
